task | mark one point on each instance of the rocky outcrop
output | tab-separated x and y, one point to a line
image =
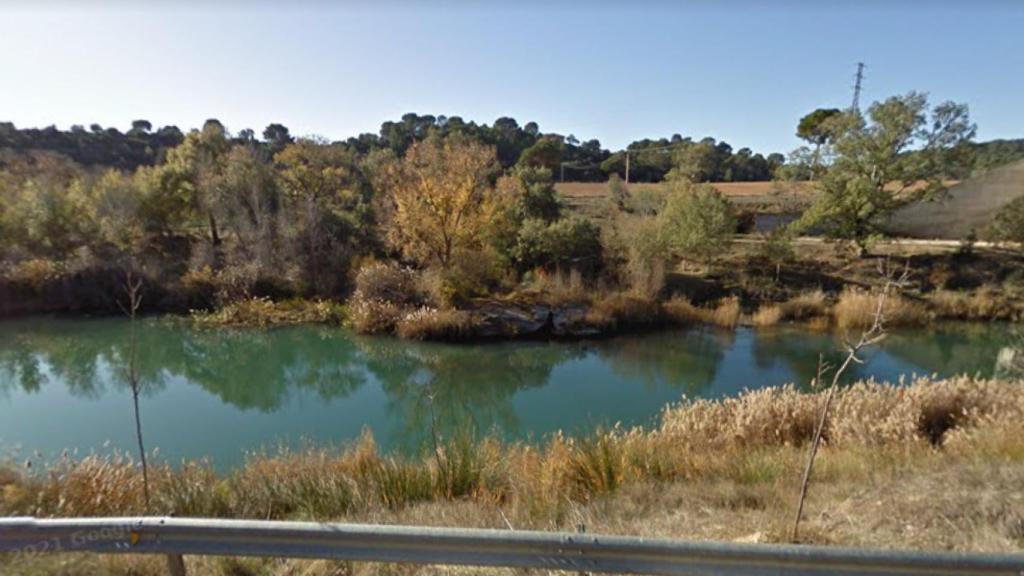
494	319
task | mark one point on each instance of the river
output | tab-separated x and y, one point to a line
220	394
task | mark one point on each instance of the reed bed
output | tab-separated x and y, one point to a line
856	309
695	438
724	313
711	469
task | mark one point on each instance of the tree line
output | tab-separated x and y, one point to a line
219	216
568	156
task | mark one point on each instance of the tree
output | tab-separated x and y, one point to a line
277	137
546	153
571	243
696	163
814	127
322	181
893	156
441	197
141	127
697	221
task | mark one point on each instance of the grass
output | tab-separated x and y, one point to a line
724	313
435	324
262	311
696	438
803	307
984	304
856	309
934	464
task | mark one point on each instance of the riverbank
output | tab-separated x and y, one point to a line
934	465
821	287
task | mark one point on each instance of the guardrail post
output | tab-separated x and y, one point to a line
176	565
582	528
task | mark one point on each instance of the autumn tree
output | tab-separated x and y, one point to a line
442	197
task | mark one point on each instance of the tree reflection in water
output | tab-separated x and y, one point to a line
404	390
448	389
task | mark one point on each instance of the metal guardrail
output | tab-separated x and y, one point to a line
451	546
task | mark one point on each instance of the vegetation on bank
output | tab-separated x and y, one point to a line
414	230
742	454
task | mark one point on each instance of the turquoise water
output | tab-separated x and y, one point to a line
219	394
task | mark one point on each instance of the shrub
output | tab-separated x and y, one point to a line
36	273
776	249
618	192
572	243
388	282
697	221
373	316
645	257
384	293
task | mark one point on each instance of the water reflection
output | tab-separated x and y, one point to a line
219	392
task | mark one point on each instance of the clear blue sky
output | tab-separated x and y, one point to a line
740	71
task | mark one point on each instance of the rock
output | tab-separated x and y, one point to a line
501	320
494	319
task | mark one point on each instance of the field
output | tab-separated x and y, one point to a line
591	198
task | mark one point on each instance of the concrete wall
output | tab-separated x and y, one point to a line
971	204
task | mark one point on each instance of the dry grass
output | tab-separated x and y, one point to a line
936	464
983	304
260	312
803	307
856	309
432	324
725	313
621	310
558	287
767	315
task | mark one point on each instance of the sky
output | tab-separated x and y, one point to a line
740	71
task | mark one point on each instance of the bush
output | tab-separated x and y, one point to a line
618	192
388	282
697	221
645	257
573	243
36	273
